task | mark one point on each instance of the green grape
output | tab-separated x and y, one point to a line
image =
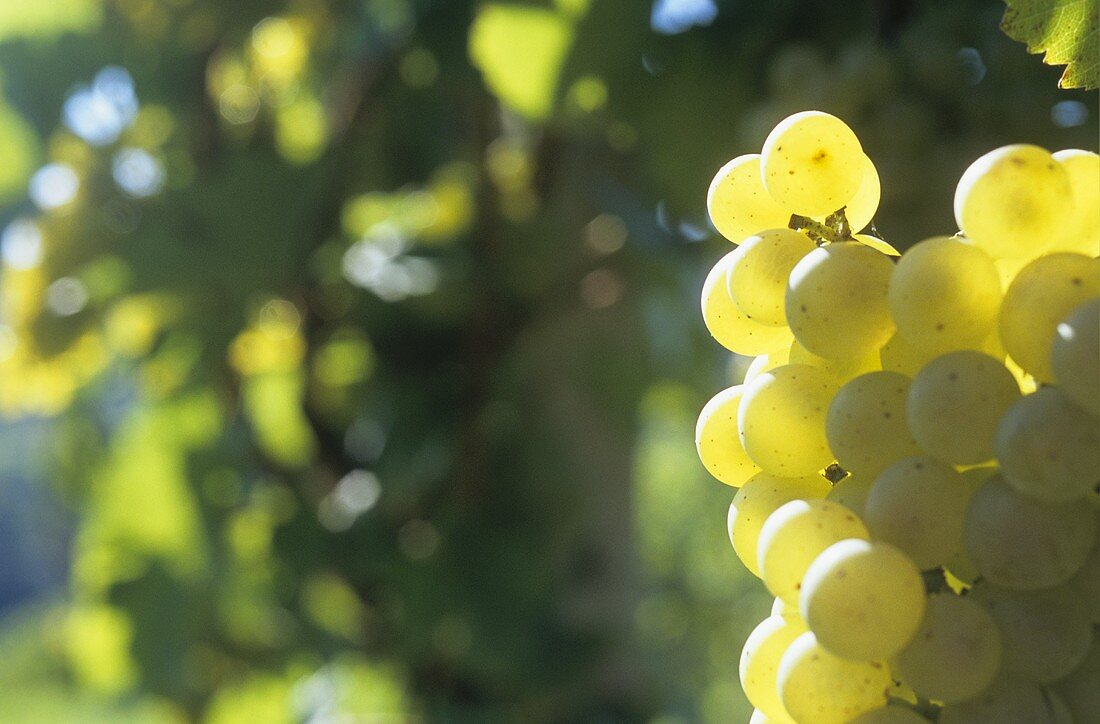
1059	710
812	163
1040	297
794	535
1045	634
816	686
725	322
758	499
760	661
738	203
1081	689
862	600
763	363
890	715
955	653
841	370
861	209
877	244
1013	200
919	505
1048	447
1087	582
1082	231
1075	356
852	492
757	279
955	403
944	295
1008	700
865	425
782	420
836	300
718	442
1017	541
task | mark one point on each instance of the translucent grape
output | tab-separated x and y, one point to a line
782	420
758	499
1008	700
865	424
861	209
759	717
890	715
852	492
1013	200
816	686
725	322
794	535
919	505
1017	541
836	300
782	608
812	163
1048	447
718	442
841	369
955	653
862	600
738	203
757	280
1081	689
763	363
1075	356
955	403
1040	297
760	663
1082	231
1087	582
945	294
1045	634
877	244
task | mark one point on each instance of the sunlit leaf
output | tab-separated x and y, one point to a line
1065	31
520	51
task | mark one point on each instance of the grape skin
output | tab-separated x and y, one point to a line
955	652
862	600
1075	356
738	203
890	715
759	663
812	163
1082	231
865	424
717	440
836	300
816	686
758	499
1024	543
794	535
852	492
1008	700
1080	690
757	280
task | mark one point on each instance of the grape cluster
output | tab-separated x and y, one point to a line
917	441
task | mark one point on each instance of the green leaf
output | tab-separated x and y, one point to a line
1064	30
32	18
520	51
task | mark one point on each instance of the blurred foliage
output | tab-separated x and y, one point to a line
350	352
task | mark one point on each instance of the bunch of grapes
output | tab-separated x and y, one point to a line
917	441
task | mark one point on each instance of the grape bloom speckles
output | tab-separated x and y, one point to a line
916	444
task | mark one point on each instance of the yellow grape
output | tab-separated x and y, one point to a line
794	535
862	600
877	244
1040	297
758	499
757	279
861	209
782	420
819	688
841	369
728	325
763	363
718	442
836	300
759	664
852	492
812	163
738	203
1082	233
865	425
1075	356
945	294
1013	201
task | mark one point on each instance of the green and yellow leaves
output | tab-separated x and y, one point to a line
1065	31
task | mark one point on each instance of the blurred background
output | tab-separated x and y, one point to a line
350	350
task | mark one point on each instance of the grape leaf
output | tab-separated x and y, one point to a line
1065	31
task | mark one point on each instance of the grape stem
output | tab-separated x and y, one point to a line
835	227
